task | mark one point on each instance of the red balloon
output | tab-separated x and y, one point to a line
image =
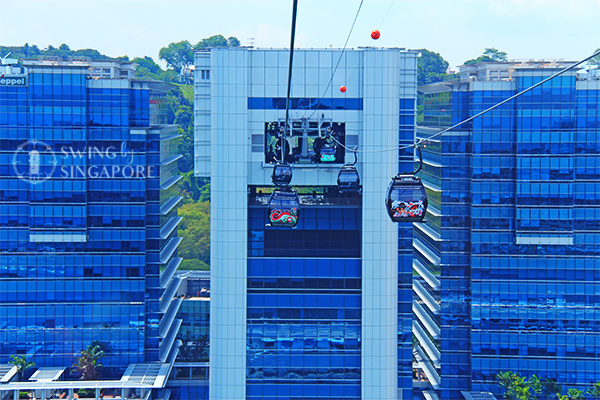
343	89
375	34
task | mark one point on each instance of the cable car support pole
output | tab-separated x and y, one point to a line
289	83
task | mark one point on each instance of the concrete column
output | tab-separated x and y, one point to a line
97	393
15	394
70	395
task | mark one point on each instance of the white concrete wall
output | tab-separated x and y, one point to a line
379	358
229	222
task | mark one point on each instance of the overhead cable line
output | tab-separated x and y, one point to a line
476	115
386	14
339	60
289	82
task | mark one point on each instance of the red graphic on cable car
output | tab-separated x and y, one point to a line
284	217
407	209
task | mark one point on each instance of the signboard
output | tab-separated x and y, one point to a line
13	80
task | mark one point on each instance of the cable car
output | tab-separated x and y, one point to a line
282	174
327	153
284	208
348	179
406	197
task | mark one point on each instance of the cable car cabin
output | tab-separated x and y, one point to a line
406	199
284	208
282	174
327	154
348	179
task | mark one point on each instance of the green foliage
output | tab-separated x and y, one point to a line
550	388
181	54
148	69
431	67
217	41
180	111
195	231
88	363
188	92
27	51
193	348
575	394
594	391
535	385
22	363
194	265
177	55
489	55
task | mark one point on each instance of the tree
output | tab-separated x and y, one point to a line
490	54
535	384
232	41
195	231
88	364
516	387
550	388
594	391
201	345
148	69
22	363
431	67
213	41
575	394
495	54
186	349
177	55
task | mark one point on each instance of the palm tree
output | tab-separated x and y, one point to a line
551	388
594	391
88	364
201	345
22	363
185	350
575	394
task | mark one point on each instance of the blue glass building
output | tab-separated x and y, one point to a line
322	311
508	264
88	214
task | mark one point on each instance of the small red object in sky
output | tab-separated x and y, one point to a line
343	89
375	34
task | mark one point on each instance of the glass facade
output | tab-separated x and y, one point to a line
304	313
87	217
508	264
406	133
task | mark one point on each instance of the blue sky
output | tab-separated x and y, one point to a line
457	29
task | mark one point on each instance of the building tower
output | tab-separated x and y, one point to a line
88	214
311	312
509	261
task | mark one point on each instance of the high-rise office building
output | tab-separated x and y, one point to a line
88	214
322	311
509	261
